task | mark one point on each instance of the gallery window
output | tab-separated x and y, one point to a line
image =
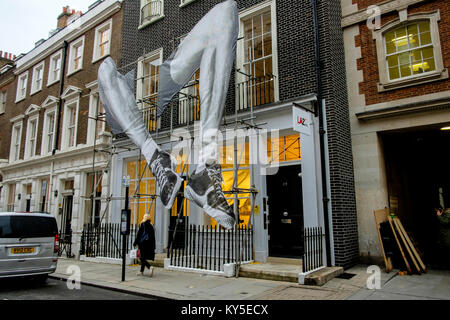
257	57
30	145
2	102
49	131
147	87
76	55
22	86
102	44
16	138
145	187
409	51
70	124
38	74
54	72
151	11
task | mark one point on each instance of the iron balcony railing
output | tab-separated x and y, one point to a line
313	249
209	248
105	240
255	92
151	10
186	106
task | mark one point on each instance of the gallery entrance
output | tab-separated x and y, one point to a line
284	191
418	176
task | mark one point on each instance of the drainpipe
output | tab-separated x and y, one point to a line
61	90
320	113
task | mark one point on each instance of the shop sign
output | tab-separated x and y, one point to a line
301	120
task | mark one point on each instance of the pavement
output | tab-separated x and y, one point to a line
178	285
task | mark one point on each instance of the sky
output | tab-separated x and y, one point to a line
24	22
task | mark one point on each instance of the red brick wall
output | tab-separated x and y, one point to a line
369	63
79	79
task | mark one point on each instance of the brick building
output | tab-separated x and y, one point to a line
275	75
6	80
397	59
49	126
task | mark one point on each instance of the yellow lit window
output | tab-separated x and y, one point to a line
141	190
282	149
409	50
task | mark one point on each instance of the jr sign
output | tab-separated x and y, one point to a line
301	120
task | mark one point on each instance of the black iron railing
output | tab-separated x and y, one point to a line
313	249
209	248
255	92
105	240
65	244
151	10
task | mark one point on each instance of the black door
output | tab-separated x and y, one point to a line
284	191
177	225
67	215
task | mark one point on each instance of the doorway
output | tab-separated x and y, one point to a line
418	177
66	219
284	191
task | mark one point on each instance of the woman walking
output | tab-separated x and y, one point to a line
145	240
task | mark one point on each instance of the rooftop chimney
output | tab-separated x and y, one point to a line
64	16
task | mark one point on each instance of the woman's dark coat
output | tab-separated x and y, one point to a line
146	248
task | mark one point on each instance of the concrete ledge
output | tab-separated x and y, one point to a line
322	276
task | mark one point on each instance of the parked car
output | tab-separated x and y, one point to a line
28	244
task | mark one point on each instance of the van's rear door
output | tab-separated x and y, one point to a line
26	242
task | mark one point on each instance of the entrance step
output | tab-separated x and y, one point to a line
297	262
322	276
272	271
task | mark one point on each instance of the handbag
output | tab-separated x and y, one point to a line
133	253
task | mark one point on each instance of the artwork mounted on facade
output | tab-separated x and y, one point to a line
210	46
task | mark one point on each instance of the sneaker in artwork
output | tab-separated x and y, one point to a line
205	189
163	167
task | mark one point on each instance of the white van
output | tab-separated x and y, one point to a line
28	244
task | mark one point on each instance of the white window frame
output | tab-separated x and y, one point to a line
37	70
439	73
46	131
244	15
3	101
185	2
15	147
66	127
22	91
28	152
153	20
98	31
51	68
73	46
156	55
94	99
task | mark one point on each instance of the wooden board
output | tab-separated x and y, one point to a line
411	255
391	223
416	254
380	217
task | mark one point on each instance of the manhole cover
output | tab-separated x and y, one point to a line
346	275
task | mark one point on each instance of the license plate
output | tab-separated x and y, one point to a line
21	250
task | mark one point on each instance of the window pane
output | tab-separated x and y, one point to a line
425	38
257	27
390	42
417	68
257	51
392	61
429	65
403	58
394	73
424	26
416	56
413	36
405	70
267	23
428	53
402	41
267	44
